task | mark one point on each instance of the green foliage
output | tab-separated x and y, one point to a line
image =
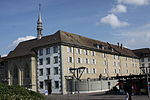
18	93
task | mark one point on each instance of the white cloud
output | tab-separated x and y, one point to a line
20	39
138	37
4	55
135	2
113	20
119	9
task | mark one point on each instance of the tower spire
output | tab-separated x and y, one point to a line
39	24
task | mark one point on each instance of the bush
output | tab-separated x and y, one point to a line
18	93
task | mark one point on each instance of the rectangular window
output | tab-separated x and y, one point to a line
40	52
56	84
114	63
78	51
48	60
55	49
40	72
55	59
114	56
93	53
127	71
126	58
79	60
133	65
148	59
93	61
41	84
47	51
115	71
94	70
126	65
86	61
70	59
41	61
86	52
70	49
55	70
142	59
87	70
48	71
143	65
148	64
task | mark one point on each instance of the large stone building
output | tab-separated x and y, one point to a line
43	63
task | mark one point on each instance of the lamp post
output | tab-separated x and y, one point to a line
77	73
147	79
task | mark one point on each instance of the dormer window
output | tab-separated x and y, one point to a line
112	49
102	47
97	46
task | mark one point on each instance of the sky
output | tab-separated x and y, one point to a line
123	21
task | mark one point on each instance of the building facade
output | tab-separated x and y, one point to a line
144	55
43	64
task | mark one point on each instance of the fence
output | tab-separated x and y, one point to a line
90	85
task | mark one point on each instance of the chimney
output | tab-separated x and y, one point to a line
118	44
121	46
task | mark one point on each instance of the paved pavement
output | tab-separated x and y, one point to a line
94	96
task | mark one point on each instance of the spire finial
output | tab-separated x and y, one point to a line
39	7
39	24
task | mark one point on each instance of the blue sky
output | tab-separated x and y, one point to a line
124	21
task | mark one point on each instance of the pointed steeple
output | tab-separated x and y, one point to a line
39	24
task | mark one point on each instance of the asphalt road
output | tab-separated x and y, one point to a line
94	96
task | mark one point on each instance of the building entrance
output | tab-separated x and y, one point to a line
49	86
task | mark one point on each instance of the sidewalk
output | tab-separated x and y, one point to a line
139	97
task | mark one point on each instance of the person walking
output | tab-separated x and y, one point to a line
127	96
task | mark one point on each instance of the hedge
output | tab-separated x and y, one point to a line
18	93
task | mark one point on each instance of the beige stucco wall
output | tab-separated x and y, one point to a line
100	65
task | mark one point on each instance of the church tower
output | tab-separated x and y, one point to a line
39	24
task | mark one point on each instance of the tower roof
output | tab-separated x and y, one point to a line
39	24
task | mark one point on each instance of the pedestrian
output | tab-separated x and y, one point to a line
127	96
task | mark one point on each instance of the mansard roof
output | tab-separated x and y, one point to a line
66	38
144	52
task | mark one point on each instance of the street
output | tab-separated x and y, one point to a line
95	96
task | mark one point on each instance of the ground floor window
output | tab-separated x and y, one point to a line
55	70
56	84
41	84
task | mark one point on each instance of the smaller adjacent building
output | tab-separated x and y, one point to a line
144	55
3	71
